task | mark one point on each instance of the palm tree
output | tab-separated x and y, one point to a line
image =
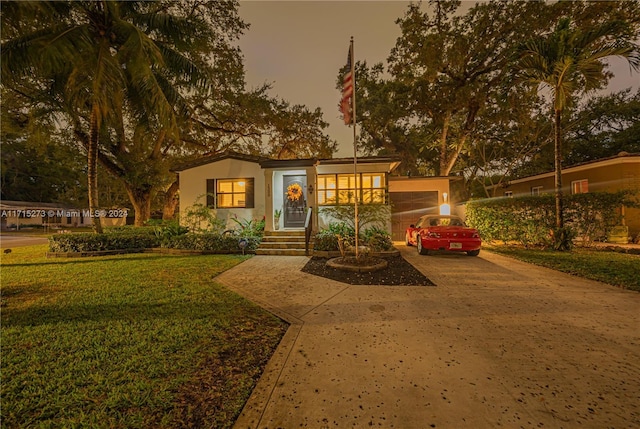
100	61
568	61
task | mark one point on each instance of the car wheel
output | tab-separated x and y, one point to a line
474	252
406	239
421	250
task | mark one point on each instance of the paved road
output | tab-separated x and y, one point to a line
497	343
9	241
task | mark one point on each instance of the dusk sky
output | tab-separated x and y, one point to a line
299	46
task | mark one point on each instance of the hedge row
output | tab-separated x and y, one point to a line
90	242
529	220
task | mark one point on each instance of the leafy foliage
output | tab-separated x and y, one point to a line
530	220
200	218
249	227
368	214
210	242
166	230
377	239
329	239
88	242
147	85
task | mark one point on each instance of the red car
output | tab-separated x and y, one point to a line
440	232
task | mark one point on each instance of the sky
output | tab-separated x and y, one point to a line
298	46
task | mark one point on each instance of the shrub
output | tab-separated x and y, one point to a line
165	230
249	227
530	220
200	218
210	242
91	242
377	239
325	240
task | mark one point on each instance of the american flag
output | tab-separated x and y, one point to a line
347	91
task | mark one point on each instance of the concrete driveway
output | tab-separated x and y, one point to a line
497	343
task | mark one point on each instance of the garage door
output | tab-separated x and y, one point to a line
407	207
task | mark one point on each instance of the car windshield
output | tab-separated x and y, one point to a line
440	221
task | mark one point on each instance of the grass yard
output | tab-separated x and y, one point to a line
128	341
618	269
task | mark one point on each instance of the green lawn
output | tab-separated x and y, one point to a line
614	268
127	341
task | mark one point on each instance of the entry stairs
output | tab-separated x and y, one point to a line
283	242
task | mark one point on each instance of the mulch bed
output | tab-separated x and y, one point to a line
398	273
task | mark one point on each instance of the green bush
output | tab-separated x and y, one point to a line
325	240
146	239
91	242
249	227
377	239
210	242
166	230
530	220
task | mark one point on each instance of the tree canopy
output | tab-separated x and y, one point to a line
145	85
450	99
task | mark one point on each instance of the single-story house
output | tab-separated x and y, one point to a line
252	187
16	215
617	173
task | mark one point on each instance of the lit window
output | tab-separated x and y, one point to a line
343	188
580	186
230	193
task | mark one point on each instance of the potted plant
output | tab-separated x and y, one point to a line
276	219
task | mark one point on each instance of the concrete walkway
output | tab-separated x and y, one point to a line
497	343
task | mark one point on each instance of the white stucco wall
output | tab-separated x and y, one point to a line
193	187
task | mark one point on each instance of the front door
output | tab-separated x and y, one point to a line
295	204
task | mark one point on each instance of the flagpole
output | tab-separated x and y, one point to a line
355	149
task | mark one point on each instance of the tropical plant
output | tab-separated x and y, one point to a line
377	239
249	227
368	214
113	68
200	218
568	61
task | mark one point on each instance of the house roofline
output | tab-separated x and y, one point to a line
361	160
218	157
621	158
283	163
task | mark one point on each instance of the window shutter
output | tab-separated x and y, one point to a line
249	191
211	193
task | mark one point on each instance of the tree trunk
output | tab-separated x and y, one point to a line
92	172
141	200
558	167
171	201
443	145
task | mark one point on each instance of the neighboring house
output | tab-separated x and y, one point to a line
621	172
250	187
16	215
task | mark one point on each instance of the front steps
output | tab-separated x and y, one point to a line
283	242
